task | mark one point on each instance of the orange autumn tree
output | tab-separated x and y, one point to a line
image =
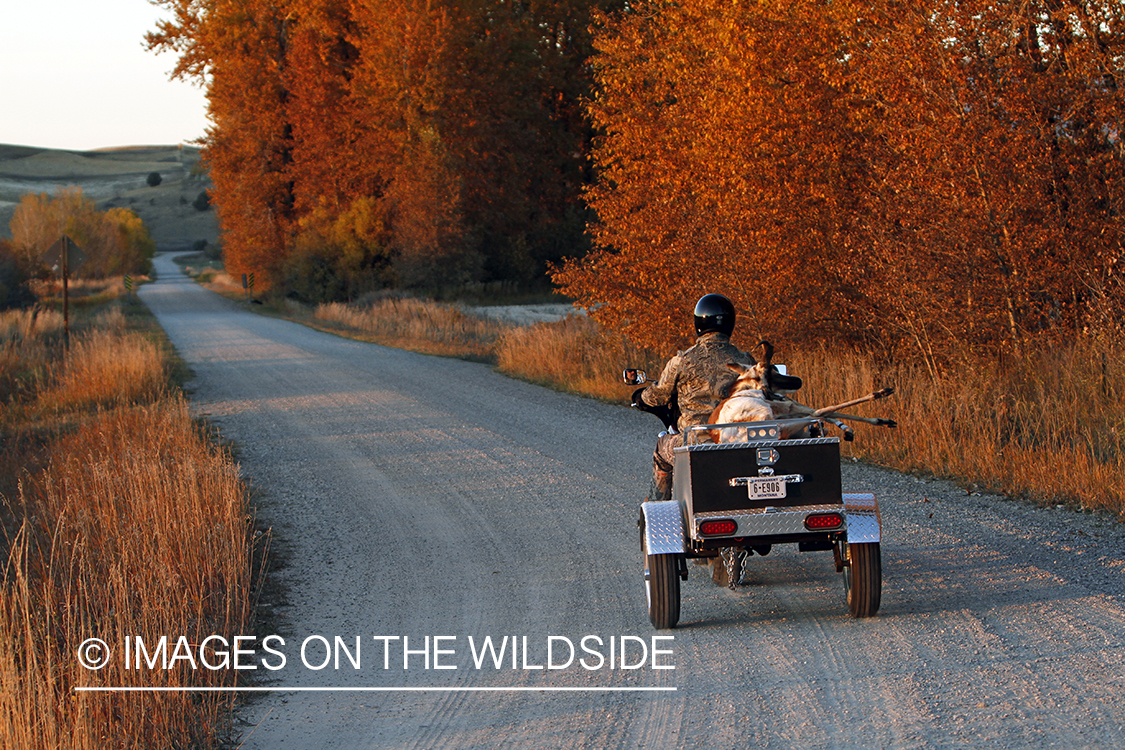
240	49
400	90
930	179
731	161
513	121
426	142
338	245
998	213
114	241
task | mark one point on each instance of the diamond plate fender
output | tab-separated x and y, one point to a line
664	527
862	512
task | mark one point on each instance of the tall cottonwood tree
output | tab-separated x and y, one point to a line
730	162
1000	199
939	178
241	49
401	85
513	119
455	124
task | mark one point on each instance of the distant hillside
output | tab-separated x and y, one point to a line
117	177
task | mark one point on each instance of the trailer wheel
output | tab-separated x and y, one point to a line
662	587
863	578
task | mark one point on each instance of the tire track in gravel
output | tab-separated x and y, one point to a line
430	497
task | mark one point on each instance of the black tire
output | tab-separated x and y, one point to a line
662	587
863	578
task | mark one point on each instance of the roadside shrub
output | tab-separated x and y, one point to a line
202	201
212	251
115	241
134	246
154	179
339	258
313	276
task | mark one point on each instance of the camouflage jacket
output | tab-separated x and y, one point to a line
696	380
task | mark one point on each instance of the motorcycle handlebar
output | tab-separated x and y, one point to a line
663	413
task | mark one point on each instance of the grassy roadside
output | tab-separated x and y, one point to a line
122	518
1047	427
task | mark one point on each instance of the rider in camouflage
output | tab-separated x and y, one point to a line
694	382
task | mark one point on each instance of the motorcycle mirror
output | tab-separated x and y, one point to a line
633	376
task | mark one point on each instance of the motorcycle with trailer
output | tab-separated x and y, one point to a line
752	491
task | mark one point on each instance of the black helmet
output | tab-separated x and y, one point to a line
714	313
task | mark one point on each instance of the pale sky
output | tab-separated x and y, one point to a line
74	74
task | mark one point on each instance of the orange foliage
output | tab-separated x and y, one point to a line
460	119
242	49
114	241
937	179
1001	162
726	166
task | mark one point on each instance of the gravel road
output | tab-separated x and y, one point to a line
425	504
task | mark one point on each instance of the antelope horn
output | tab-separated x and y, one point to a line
882	393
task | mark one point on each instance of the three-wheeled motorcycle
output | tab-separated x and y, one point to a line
749	493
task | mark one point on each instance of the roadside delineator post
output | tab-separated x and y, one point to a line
248	285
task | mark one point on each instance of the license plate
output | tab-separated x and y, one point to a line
766	488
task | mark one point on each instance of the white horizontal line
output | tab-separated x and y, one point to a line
372	689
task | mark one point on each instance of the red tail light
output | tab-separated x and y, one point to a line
725	527
824	521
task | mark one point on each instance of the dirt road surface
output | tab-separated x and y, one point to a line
423	498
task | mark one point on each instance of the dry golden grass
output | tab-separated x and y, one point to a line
105	368
1047	427
25	352
573	355
84	291
26	325
138	527
136	524
106	364
418	325
218	281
